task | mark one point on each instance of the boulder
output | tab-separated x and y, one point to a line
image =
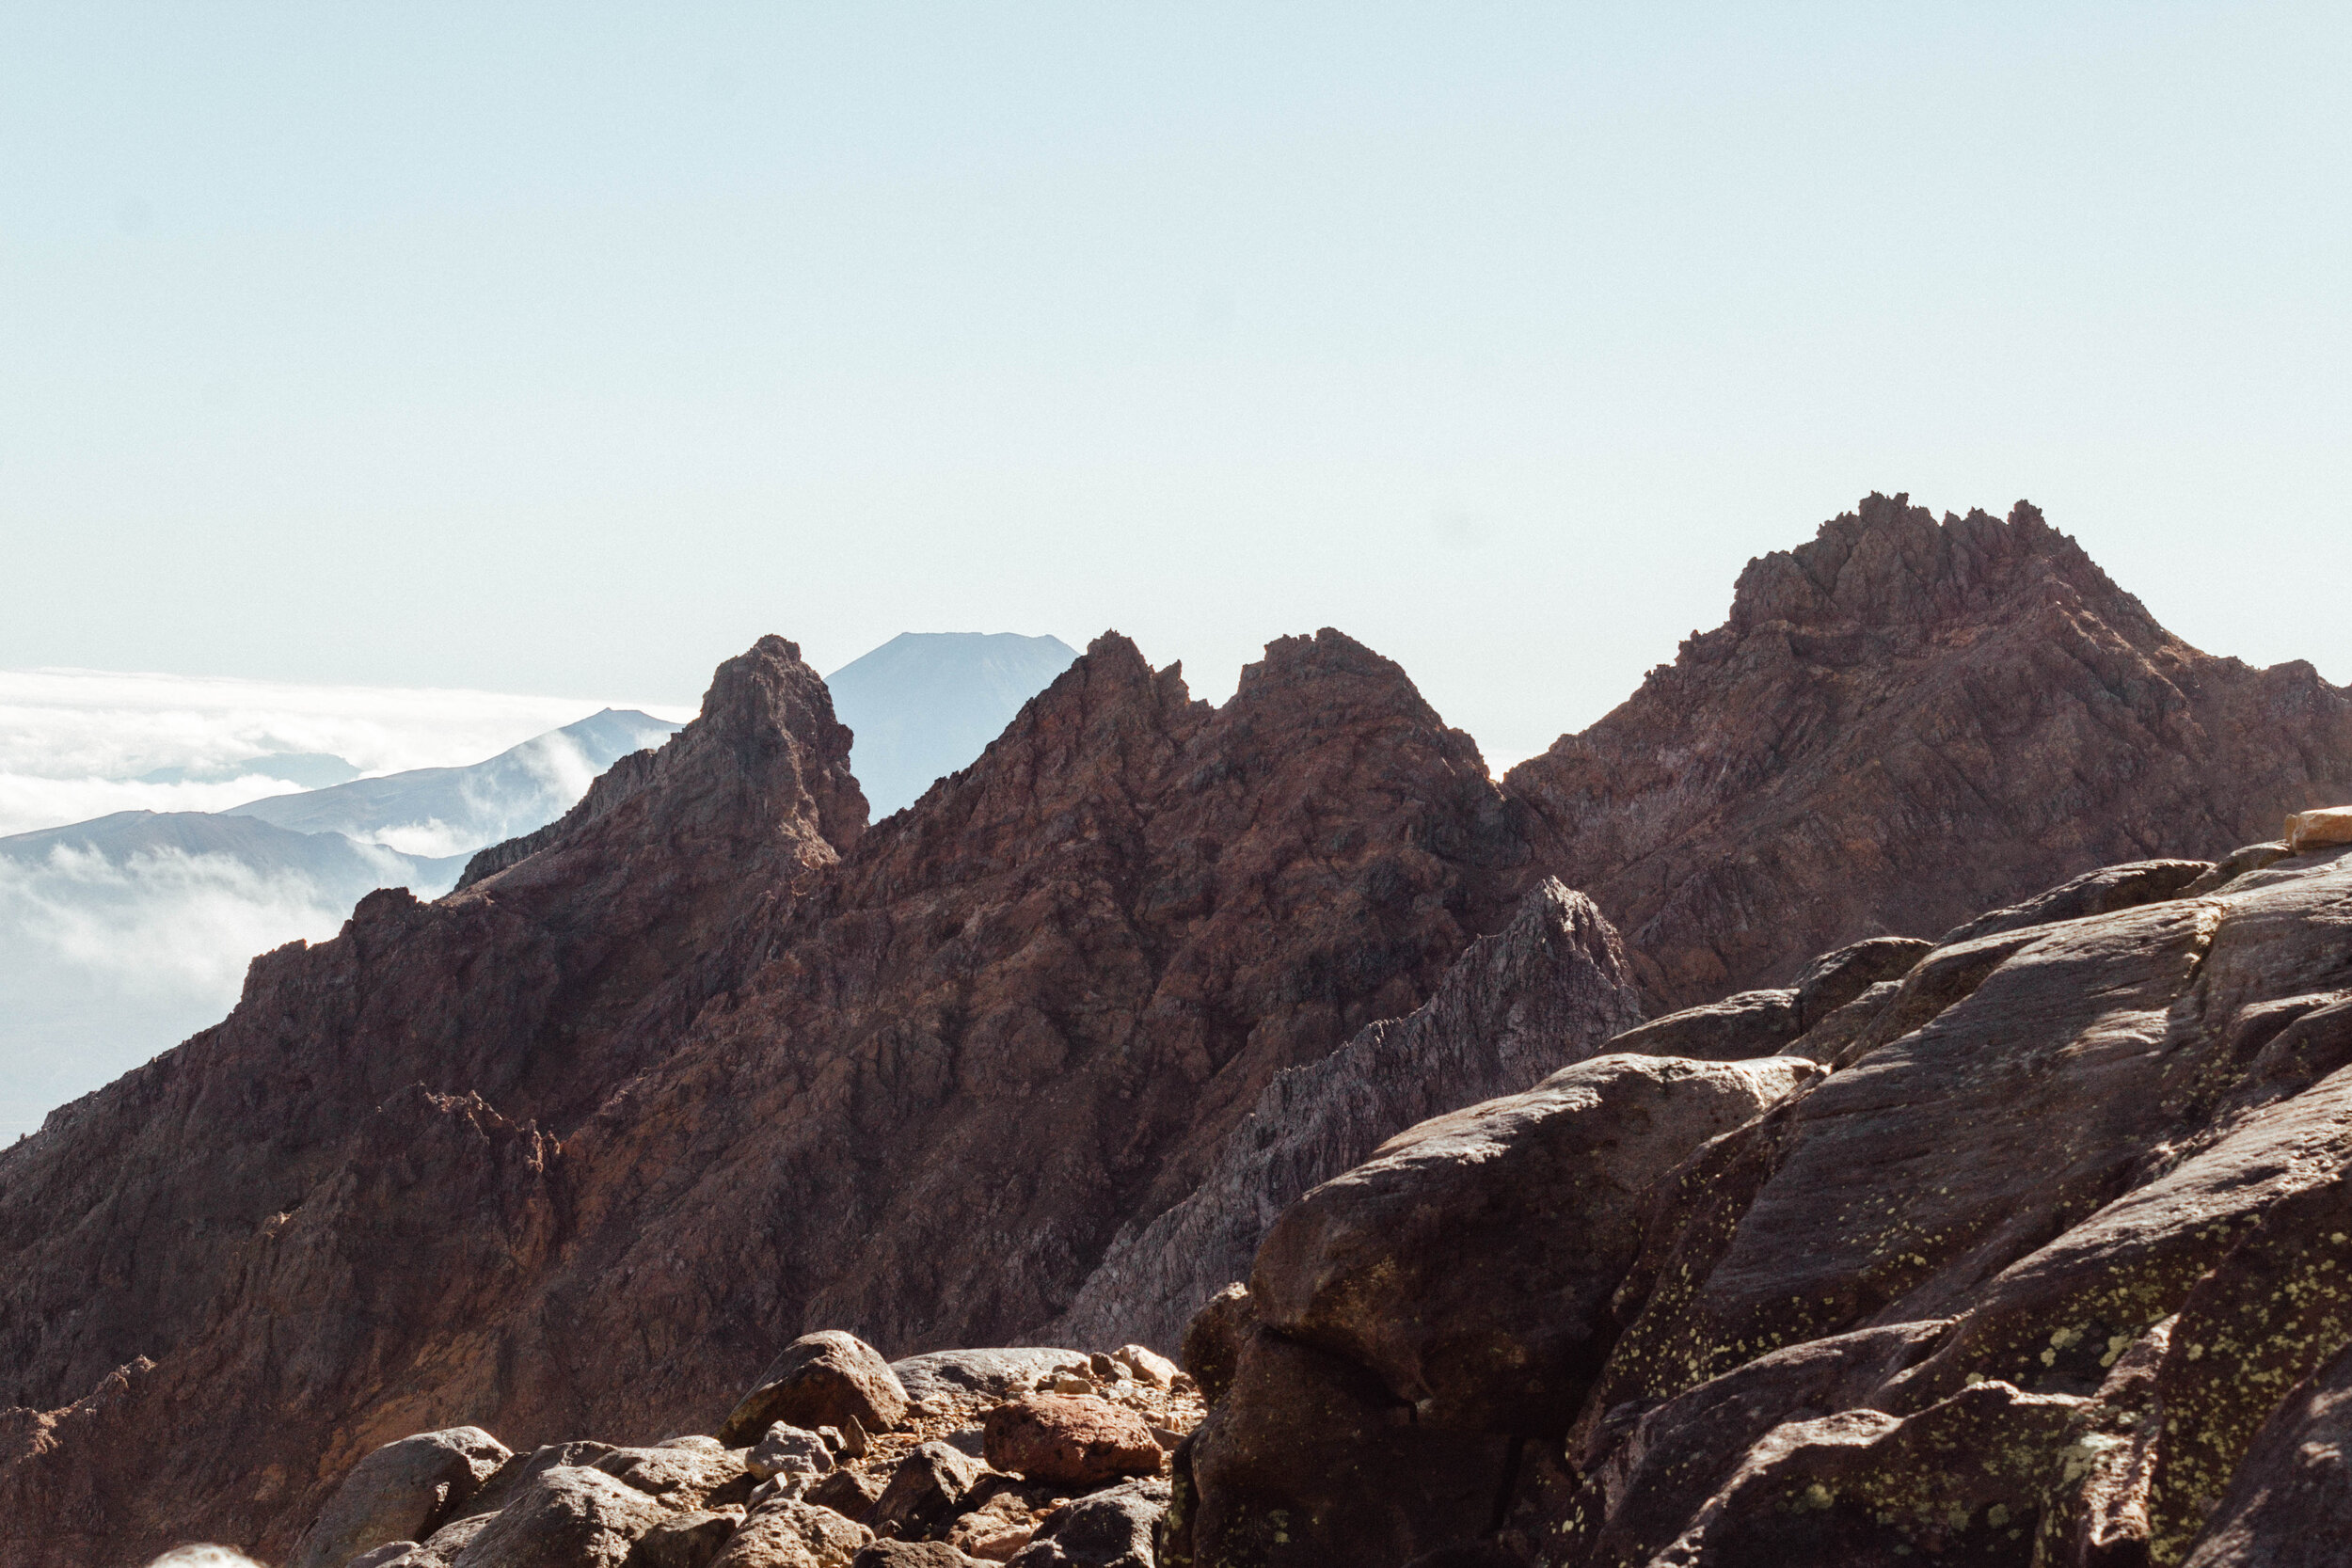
400	1492
787	1450
1146	1366
997	1528
1470	1264
925	1494
849	1492
1075	1440
2237	862
1834	980
685	1541
567	1517
1110	1529
1311	1461
2308	830
998	1374
787	1532
682	1476
2106	890
1751	1024
1213	1337
821	1379
508	1482
913	1554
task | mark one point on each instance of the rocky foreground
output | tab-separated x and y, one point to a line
1127	1012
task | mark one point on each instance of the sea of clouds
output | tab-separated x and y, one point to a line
106	963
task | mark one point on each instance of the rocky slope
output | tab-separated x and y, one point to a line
2047	1266
710	1062
574	1148
1903	723
1546	991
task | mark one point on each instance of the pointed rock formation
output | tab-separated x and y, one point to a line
1903	723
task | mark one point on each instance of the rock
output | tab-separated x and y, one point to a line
912	1554
1902	723
1835	979
789	1450
1309	1460
924	1494
996	1529
2290	1503
822	1379
791	1533
2101	891
687	1540
848	1493
1213	1338
404	1490
508	1482
2237	862
1110	1529
1836	1038
1544	992
2308	830
1077	1441
567	1517
1752	1024
1146	1366
441	1549
996	1374
968	1440
1067	1382
1391	1264
682	1478
383	1555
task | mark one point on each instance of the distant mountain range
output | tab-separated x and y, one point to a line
926	702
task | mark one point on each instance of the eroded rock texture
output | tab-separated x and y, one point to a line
1906	723
2054	1267
580	1147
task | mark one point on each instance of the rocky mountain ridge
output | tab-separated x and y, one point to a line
710	1063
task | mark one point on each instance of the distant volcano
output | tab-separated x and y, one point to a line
926	702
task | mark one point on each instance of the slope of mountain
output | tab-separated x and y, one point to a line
454	811
710	1062
120	935
925	702
1902	723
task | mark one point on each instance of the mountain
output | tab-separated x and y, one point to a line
1903	722
925	704
120	935
454	811
710	1062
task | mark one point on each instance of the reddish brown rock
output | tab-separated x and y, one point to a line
1902	725
1071	1439
828	1378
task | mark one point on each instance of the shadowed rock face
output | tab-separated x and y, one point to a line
578	1148
1545	992
2058	1273
1903	723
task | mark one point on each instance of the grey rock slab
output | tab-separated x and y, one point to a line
567	1517
1421	1264
1109	1529
400	1492
996	1373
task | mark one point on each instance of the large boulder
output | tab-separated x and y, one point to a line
925	1494
1110	1529
820	1380
786	1532
400	1492
1073	1439
1470	1265
567	1517
999	1375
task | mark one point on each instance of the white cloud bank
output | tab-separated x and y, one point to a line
74	743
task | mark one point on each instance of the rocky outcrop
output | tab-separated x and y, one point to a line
1903	723
713	1063
1546	991
2053	1273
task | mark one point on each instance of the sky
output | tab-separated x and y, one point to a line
550	351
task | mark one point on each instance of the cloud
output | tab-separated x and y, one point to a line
74	743
103	963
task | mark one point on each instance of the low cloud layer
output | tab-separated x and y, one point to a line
75	743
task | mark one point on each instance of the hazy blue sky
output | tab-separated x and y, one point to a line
567	349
